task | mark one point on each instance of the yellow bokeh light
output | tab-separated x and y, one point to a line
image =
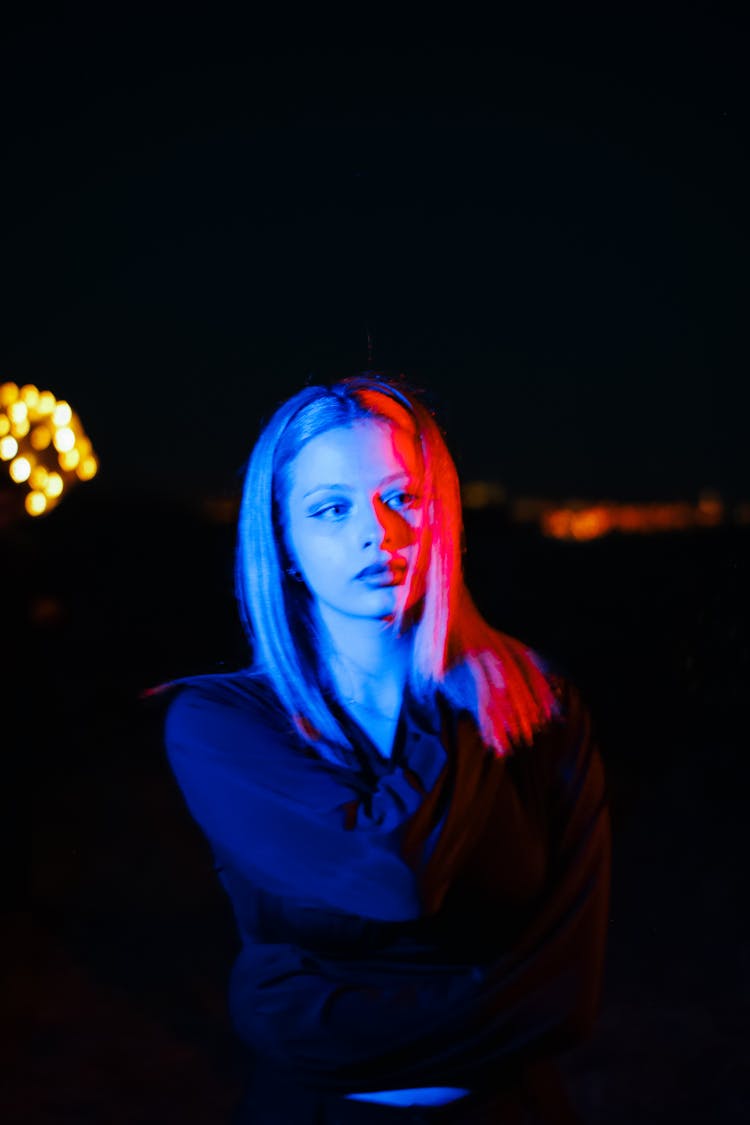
30	394
69	460
54	485
35	503
87	468
64	439
8	393
40	437
34	426
20	469
38	477
62	414
46	403
8	447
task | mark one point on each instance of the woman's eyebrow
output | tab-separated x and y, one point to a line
348	488
325	487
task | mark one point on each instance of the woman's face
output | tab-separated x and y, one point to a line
354	518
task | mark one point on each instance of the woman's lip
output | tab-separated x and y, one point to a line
382	573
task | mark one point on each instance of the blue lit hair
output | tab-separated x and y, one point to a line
497	678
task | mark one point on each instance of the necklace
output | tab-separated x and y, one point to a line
374	710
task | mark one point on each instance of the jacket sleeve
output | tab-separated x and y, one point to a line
405	1020
282	822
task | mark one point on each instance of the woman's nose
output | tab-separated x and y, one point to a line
378	524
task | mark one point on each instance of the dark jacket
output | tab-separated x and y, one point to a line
436	918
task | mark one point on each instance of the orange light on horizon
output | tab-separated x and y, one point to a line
483	494
594	520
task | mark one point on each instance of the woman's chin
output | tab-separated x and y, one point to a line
384	602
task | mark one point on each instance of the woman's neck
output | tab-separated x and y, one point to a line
367	660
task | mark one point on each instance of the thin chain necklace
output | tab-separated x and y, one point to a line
350	699
374	710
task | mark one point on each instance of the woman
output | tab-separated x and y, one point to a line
405	806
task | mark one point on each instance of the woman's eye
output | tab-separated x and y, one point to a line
401	500
330	511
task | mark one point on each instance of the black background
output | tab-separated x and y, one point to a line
546	228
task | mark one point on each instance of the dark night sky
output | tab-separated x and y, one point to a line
547	230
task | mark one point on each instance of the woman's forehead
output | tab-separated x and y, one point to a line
365	452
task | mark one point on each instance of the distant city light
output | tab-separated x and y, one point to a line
483	494
592	521
44	442
582	520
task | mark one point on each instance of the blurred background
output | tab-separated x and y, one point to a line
546	229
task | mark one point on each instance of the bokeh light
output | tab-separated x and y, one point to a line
29	394
54	485
69	459
46	404
40	437
20	469
8	448
88	468
62	414
45	444
38	476
35	503
64	439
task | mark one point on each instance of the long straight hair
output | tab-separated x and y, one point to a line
494	677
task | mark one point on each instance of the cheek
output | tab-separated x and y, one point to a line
319	556
420	535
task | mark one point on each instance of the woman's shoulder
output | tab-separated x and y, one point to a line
215	699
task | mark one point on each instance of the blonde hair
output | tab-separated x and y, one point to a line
496	678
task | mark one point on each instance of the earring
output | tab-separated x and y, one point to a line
294	573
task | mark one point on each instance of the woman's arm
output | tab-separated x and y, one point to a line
280	820
400	1021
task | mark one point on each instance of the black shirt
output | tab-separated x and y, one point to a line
434	918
